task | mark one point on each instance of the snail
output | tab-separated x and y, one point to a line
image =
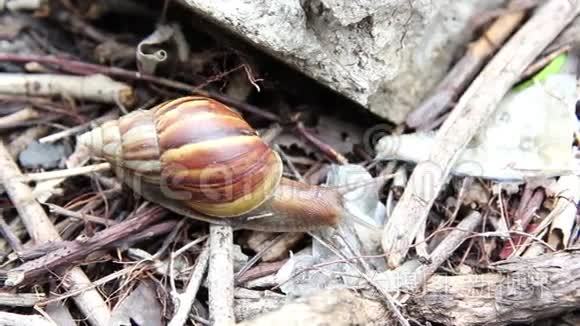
199	158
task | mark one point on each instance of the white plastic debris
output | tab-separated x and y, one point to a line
530	135
323	265
362	202
297	276
240	259
15	5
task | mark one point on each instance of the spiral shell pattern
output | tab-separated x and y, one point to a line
197	150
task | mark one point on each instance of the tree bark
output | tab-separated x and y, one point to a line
524	290
520	291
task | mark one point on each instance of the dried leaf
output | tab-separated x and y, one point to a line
141	307
167	44
340	135
60	314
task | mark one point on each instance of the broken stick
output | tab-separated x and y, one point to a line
98	88
443	251
221	275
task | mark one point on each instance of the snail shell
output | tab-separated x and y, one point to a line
191	153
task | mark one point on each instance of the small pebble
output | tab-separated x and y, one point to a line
43	155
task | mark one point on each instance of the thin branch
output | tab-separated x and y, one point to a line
443	251
59	174
326	149
80	216
77	129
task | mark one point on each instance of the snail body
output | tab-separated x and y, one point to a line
199	158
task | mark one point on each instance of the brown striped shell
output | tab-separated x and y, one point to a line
191	152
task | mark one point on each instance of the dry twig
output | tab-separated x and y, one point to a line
79	215
11	238
77	129
14	119
465	69
71	252
71	172
185	300
40	229
20	299
96	87
334	307
326	149
10	319
443	251
221	275
20	143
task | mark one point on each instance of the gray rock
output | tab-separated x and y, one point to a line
43	155
385	55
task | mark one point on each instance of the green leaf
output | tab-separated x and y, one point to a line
554	67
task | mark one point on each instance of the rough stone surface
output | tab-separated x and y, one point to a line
385	55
